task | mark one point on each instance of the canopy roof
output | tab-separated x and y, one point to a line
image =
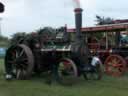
103	28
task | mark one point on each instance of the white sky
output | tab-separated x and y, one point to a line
30	15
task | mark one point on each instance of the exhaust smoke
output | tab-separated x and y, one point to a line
76	3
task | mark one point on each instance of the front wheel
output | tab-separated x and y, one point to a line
66	71
19	62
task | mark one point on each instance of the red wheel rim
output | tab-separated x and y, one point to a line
115	65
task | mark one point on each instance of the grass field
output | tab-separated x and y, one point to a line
108	86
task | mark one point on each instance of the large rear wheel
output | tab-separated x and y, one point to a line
19	62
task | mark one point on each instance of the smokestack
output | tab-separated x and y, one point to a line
78	22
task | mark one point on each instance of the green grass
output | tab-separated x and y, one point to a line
108	86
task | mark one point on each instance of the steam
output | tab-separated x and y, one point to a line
76	3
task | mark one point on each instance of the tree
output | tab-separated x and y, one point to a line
4	41
18	37
104	20
2	38
41	35
47	32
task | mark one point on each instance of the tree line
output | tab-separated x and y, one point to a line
49	31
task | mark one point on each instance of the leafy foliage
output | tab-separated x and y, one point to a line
18	37
104	20
43	34
2	38
4	41
47	32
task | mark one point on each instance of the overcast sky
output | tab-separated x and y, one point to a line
30	15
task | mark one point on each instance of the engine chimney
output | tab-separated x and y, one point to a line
78	22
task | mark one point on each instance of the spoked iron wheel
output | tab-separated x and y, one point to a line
95	73
19	61
67	71
115	65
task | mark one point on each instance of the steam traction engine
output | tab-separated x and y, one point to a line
63	58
